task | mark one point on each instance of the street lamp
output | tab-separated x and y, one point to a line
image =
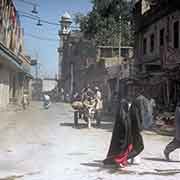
39	22
34	11
120	19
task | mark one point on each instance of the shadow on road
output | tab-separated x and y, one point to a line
160	159
114	169
104	126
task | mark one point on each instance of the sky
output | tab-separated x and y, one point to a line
46	50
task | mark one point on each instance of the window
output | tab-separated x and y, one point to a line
152	42
124	52
161	37
144	46
176	34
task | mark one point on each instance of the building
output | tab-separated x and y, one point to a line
83	63
14	64
157	48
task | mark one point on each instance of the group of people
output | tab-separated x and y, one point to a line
90	98
127	141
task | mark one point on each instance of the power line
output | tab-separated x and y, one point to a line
33	17
28	2
41	38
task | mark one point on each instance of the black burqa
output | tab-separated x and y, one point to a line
126	132
121	136
136	124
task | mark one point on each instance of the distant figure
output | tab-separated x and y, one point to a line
175	143
77	113
151	111
25	100
99	105
46	99
67	97
62	94
143	103
87	92
76	97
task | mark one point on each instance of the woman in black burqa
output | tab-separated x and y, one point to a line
126	142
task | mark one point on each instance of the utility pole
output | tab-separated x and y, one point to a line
37	66
118	84
120	37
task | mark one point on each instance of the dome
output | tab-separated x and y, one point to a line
66	16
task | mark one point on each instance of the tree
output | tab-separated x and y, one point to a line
103	23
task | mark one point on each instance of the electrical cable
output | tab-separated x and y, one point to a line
30	16
28	2
41	38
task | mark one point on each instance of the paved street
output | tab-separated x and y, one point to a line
40	144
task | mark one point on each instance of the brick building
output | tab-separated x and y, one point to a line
157	48
14	65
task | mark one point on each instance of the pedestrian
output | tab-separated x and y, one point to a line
175	143
77	110
67	97
135	115
25	100
151	111
62	94
143	103
46	101
87	92
99	105
121	144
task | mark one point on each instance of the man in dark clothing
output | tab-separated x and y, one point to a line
175	143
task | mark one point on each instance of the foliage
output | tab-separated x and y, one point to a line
103	22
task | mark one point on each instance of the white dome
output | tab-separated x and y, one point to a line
66	16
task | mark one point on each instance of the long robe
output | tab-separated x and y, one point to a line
136	124
177	121
121	137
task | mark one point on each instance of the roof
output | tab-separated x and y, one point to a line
66	16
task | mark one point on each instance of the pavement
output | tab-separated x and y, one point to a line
39	144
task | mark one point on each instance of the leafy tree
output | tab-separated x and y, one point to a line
103	22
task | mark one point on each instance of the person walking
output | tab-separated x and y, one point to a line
99	106
143	105
120	145
135	115
175	143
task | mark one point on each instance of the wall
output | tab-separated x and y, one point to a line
48	84
165	23
4	87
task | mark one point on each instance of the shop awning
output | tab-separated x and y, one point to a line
10	59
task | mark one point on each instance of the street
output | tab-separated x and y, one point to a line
38	144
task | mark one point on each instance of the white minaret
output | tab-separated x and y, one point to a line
65	30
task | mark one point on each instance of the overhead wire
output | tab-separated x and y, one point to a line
33	17
28	2
41	38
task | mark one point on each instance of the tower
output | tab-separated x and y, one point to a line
64	32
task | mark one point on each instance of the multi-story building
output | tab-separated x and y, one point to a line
14	64
83	63
157	48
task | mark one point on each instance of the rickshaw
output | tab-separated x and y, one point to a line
84	110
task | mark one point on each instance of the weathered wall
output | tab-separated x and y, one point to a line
48	84
4	87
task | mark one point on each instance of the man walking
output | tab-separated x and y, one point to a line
175	143
99	105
